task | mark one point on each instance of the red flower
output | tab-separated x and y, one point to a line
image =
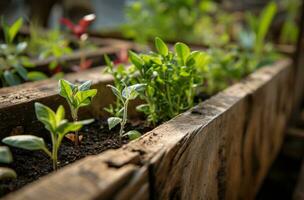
82	26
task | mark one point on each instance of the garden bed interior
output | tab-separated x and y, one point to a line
224	144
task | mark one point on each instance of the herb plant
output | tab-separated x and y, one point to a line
6	158
77	97
172	79
55	123
13	61
124	96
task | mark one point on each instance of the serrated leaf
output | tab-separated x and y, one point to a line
161	46
5	155
113	121
28	142
7	173
132	135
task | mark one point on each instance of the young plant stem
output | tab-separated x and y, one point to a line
124	120
75	119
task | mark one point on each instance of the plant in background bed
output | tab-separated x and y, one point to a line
46	44
124	96
55	123
254	39
13	61
80	31
77	96
6	158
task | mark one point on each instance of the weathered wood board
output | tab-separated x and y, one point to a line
221	149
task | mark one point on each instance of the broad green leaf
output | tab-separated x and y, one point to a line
67	127
113	121
36	76
60	113
161	46
14	28
85	86
7	173
132	134
131	92
29	142
45	115
84	98
11	78
21	71
136	60
182	51
66	89
5	155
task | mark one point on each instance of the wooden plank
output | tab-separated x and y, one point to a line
299	191
220	149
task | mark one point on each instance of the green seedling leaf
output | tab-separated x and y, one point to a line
66	89
11	78
182	51
132	135
85	86
60	113
28	142
108	61
143	108
13	30
36	76
5	155
136	60
45	115
84	98
21	71
131	92
161	46
7	173
113	121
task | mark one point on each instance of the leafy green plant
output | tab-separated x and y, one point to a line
77	96
55	123
254	39
13	61
172	79
199	21
6	157
46	44
124	96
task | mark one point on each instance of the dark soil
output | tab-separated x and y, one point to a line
31	165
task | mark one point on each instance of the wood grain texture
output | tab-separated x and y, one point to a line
220	149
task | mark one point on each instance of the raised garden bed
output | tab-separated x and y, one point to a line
222	148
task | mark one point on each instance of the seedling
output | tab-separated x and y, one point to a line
55	124
13	61
6	158
77	97
127	94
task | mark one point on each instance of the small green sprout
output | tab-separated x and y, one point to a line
76	96
6	157
55	124
127	94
